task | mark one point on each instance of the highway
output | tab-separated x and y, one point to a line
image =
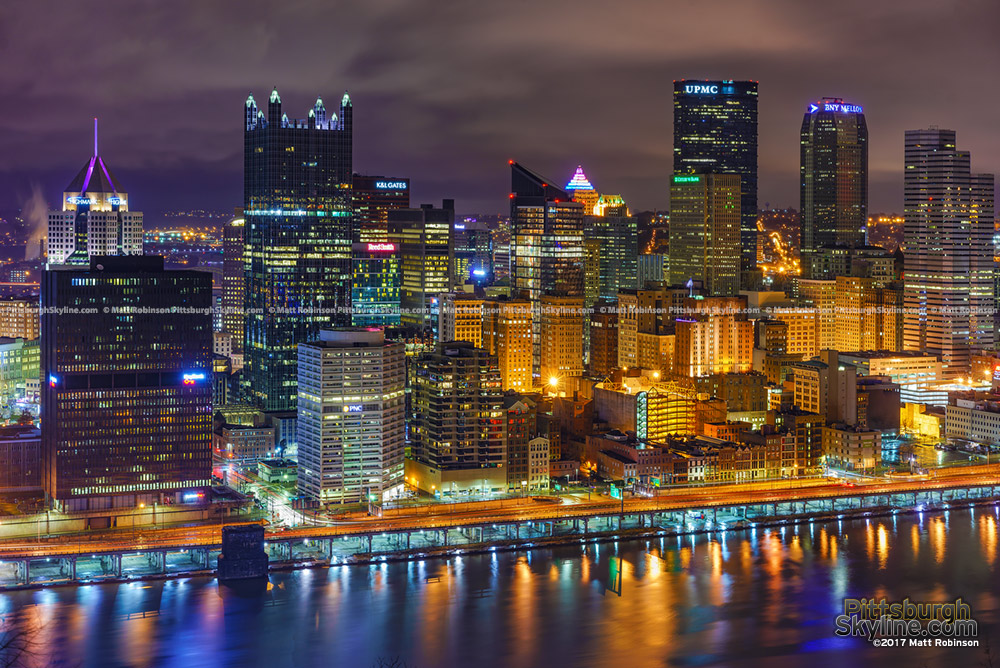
452	515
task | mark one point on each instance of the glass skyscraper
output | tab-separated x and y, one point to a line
546	246
948	251
834	175
715	132
298	210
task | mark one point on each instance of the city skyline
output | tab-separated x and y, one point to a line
435	118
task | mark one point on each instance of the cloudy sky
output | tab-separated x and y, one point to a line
446	91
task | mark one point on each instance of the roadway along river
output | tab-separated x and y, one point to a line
740	599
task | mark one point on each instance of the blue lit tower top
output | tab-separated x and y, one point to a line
834	176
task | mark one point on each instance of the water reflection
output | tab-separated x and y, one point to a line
763	597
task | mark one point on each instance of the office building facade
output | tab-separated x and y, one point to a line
351	417
948	250
425	239
457	424
715	132
705	231
373	197
375	300
833	175
234	280
297	205
127	396
546	243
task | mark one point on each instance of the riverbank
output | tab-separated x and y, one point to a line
551	541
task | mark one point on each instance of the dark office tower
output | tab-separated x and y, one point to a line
715	132
603	339
456	427
373	198
233	279
297	205
425	242
546	243
834	175
127	391
948	251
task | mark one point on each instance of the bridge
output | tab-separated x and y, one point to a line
186	551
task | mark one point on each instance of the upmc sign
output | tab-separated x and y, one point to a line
701	89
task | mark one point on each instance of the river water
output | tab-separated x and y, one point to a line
765	597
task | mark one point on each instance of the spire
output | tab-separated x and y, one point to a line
95	136
346	100
274	96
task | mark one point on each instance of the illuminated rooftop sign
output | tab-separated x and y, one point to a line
115	201
193	377
837	108
701	89
381	247
579	181
687	179
79	200
391	185
354	408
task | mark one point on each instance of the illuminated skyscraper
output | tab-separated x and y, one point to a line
373	198
834	175
546	245
95	217
617	236
562	338
297	204
457	426
583	191
507	334
705	232
948	250
127	392
375	287
715	132
233	280
426	246
351	416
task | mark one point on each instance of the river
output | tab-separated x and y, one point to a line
765	597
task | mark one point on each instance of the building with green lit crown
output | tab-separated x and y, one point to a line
297	207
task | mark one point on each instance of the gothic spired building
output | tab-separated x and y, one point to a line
834	175
297	207
715	132
95	217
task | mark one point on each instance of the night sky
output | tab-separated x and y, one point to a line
445	92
